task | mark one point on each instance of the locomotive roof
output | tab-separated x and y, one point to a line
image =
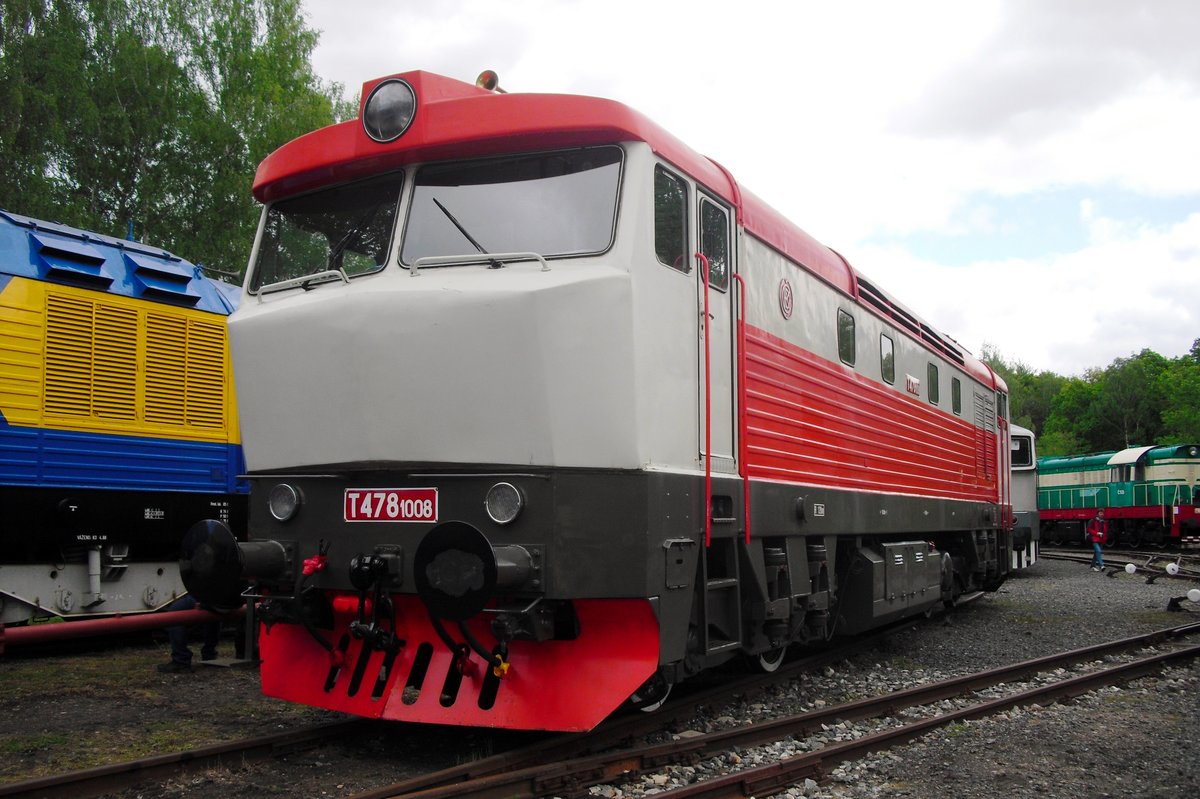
1130	455
1074	463
40	250
454	119
1173	451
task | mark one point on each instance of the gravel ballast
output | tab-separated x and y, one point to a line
1142	739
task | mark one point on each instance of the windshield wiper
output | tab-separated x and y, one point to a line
335	252
495	264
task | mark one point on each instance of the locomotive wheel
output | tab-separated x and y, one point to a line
949	595
652	695
770	661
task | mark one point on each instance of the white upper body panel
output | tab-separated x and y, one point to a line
458	365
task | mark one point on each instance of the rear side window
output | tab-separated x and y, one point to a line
887	358
934	393
845	334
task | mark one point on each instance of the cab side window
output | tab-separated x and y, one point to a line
670	220
714	243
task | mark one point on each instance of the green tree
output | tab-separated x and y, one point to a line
155	112
44	47
1031	394
1129	408
1179	386
1071	426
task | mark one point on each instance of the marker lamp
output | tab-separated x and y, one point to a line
389	110
503	503
284	501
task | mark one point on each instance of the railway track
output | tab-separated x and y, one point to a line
563	767
1154	565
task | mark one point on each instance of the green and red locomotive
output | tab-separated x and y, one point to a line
1148	494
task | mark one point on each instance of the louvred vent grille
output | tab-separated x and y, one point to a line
69	334
92	365
185	372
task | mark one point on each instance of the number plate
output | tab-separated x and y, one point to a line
391	505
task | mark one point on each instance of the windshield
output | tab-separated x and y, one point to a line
560	203
1022	451
347	227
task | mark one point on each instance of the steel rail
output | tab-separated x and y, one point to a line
775	777
623	728
1115	564
552	775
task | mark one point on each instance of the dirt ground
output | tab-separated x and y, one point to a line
109	703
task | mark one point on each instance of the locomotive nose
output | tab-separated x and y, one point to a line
214	565
457	570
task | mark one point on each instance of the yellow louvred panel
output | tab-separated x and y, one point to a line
185	371
166	353
120	365
69	340
114	363
22	337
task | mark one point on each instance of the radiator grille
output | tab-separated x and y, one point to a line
105	361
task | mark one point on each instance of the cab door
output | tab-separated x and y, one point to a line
717	353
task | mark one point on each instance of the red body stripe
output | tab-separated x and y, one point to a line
815	422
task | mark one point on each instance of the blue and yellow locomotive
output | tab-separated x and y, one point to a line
118	427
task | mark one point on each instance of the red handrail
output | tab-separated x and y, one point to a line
707	411
743	464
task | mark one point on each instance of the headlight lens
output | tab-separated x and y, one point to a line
389	110
284	501
504	502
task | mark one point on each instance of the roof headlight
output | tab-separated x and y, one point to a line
504	503
284	501
389	110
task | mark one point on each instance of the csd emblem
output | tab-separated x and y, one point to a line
786	298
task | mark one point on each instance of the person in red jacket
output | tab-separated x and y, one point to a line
1097	533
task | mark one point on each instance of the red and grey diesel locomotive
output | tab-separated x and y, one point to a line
543	412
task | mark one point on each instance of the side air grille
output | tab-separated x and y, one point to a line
185	372
69	336
106	361
875	297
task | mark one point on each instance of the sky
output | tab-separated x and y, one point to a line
1023	174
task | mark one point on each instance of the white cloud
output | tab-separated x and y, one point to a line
869	119
1128	290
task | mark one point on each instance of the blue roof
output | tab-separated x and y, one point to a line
48	251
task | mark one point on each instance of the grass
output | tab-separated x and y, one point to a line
16	745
